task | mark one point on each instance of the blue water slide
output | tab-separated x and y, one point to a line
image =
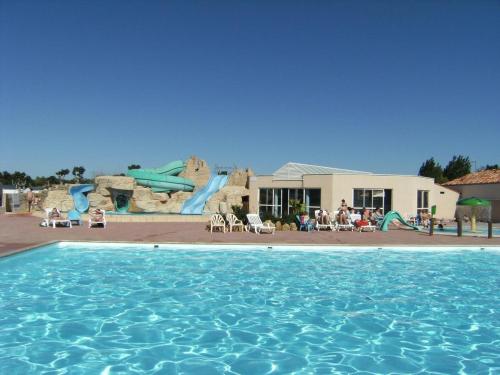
196	204
80	200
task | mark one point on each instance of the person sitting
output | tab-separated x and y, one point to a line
425	218
54	214
97	215
342	216
377	216
323	217
366	214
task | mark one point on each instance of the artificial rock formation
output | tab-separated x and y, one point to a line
225	198
197	170
240	177
59	198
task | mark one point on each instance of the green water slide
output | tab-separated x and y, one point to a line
163	179
394	215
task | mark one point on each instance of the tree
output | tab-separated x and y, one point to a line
134	166
61	173
457	167
431	168
78	173
488	167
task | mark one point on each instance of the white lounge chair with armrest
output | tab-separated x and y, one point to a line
54	217
233	221
96	217
217	221
318	226
255	224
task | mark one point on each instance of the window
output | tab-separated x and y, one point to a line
270	202
313	200
372	199
422	200
277	201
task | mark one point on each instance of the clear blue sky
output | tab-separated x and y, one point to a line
369	85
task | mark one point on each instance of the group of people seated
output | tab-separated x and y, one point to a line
96	216
346	215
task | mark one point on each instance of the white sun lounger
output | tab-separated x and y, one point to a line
217	221
349	226
320	226
53	221
95	219
255	224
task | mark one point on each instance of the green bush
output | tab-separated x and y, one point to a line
240	212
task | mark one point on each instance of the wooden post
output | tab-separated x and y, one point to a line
459	228
490	229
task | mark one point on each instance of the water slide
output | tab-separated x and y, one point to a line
163	179
394	215
196	204
80	201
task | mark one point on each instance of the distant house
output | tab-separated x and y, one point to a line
484	184
5	192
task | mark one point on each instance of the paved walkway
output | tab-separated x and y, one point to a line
21	231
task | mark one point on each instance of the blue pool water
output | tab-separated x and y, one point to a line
87	309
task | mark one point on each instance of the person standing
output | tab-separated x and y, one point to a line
29	198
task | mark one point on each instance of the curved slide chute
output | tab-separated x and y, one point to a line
196	204
171	169
394	215
163	179
80	200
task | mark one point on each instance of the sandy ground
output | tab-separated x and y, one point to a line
21	231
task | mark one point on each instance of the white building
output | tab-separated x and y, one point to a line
325	187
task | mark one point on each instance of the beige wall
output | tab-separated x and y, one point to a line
336	187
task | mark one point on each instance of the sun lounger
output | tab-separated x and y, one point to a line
349	226
54	218
217	221
320	226
97	217
255	224
233	221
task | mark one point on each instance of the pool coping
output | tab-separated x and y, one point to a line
261	246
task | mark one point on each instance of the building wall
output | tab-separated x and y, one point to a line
404	192
336	187
485	191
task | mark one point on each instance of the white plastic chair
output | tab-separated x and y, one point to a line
217	221
97	216
255	224
233	221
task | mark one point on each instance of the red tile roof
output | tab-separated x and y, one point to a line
490	176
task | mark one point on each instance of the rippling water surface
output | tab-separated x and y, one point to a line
76	310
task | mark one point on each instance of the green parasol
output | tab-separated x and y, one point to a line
473	202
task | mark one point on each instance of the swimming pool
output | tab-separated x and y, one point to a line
117	309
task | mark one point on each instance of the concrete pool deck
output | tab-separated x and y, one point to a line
23	231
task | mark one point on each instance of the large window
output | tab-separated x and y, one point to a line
422	200
270	202
277	201
372	199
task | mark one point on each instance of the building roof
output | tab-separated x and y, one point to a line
489	176
296	171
